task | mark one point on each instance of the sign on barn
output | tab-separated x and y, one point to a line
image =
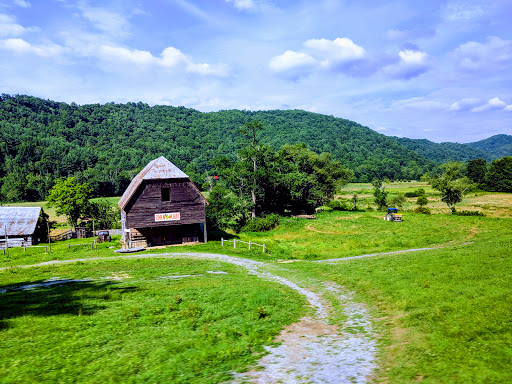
167	216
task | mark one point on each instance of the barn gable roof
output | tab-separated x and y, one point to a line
157	169
18	220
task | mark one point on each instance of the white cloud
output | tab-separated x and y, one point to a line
419	103
21	46
335	52
464	105
456	11
242	4
492	104
291	60
22	3
106	21
411	64
397	34
170	58
495	54
9	27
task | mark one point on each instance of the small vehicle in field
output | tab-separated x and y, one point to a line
103	236
393	215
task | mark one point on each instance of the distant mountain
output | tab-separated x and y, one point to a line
443	152
498	146
106	145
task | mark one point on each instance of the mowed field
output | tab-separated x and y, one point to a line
441	310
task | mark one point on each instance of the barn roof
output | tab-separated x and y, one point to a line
18	220
157	169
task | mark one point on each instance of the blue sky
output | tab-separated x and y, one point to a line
439	70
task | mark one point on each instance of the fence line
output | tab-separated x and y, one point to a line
62	236
222	240
29	246
77	245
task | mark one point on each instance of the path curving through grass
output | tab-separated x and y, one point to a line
320	348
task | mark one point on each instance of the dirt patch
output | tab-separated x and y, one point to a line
349	217
472	233
311	228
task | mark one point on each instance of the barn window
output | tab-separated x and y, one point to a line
166	194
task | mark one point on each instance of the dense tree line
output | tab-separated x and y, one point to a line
263	182
106	145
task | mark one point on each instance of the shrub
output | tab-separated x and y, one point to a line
397	201
469	213
337	205
416	193
424	210
422	200
261	224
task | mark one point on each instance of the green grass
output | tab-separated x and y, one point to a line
131	324
342	234
445	315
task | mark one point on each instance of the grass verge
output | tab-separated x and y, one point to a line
172	320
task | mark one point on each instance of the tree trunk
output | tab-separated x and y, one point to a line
253	193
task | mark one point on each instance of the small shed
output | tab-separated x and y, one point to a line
162	206
18	226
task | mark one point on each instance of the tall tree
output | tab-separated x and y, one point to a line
499	176
476	170
453	184
251	153
71	199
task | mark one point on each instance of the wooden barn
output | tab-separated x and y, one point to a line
18	226
162	206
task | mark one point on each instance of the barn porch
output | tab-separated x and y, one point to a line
166	235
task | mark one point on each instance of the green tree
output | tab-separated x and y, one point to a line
476	170
452	183
71	199
499	176
380	193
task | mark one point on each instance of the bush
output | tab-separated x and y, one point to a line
422	200
261	224
469	213
337	205
423	210
416	193
397	201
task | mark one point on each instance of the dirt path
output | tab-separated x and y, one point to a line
314	350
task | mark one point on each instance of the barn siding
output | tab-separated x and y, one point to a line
146	202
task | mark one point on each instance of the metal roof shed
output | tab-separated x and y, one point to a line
18	224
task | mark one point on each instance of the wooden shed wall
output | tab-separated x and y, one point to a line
147	201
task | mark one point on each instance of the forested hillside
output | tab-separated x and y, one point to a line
106	145
443	152
498	146
492	148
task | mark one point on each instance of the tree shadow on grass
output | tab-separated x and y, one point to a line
216	234
54	298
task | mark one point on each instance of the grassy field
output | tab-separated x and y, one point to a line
137	321
443	315
490	203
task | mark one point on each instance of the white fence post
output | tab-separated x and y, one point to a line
234	243
222	241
